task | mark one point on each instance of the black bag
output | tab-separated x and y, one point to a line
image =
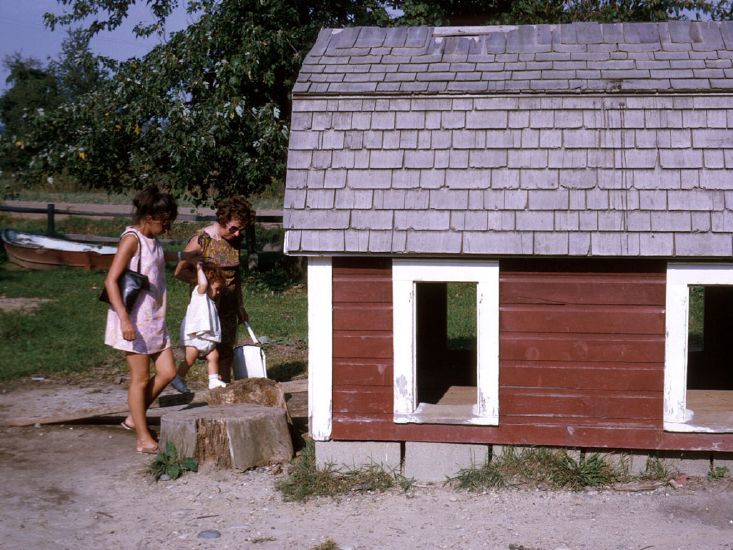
130	282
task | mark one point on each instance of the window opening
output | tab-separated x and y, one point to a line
698	365
446	343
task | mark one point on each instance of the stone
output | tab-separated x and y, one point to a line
236	436
356	454
436	462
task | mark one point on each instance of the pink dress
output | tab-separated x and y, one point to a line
148	313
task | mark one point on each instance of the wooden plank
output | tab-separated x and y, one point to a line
550	435
377	267
362	372
581	347
580	289
361	289
590	404
590	376
358	399
114	411
582	319
374	345
358	317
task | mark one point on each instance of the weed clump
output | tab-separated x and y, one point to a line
168	463
307	481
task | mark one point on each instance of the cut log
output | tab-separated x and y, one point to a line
257	391
239	436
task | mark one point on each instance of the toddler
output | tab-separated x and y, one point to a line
201	329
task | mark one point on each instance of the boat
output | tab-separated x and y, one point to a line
34	251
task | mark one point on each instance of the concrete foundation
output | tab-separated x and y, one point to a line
691	463
436	462
355	454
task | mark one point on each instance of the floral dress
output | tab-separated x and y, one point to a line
148	313
225	254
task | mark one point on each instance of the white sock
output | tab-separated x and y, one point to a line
214	377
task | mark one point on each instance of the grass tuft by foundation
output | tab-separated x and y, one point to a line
307	481
541	467
657	470
717	473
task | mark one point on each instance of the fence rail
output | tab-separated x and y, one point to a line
269	217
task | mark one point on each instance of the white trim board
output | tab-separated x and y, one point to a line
320	347
677	418
405	273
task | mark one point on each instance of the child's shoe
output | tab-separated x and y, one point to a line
179	384
216	383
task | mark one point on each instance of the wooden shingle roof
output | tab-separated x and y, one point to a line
582	57
561	140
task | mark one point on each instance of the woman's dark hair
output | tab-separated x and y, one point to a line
155	203
234	208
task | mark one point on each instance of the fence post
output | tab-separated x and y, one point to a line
252	259
50	222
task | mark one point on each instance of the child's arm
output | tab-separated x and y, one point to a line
201	280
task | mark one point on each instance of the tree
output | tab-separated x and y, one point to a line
32	91
204	114
475	12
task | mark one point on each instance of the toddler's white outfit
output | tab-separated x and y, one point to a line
200	327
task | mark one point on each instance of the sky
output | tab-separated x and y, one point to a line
22	30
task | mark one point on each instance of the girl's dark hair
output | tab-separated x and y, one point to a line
155	203
213	273
234	208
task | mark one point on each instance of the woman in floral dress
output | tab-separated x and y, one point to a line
220	243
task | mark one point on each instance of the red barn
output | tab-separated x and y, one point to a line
562	190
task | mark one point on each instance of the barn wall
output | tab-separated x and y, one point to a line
581	358
362	340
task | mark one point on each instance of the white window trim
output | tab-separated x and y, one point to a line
677	418
405	273
320	347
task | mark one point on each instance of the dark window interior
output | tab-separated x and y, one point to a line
446	338
710	338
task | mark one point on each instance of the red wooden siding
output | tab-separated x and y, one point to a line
582	345
581	358
362	338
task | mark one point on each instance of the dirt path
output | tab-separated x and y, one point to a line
85	487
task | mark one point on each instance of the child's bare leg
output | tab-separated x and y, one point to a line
212	365
190	354
136	399
212	362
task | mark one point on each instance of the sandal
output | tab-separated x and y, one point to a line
125	425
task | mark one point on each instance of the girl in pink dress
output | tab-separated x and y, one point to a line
141	333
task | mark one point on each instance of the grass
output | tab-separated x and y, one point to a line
461	316
63	189
553	469
65	333
696	323
307	481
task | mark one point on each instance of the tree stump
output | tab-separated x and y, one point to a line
230	436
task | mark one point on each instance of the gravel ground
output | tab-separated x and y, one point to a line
85	487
